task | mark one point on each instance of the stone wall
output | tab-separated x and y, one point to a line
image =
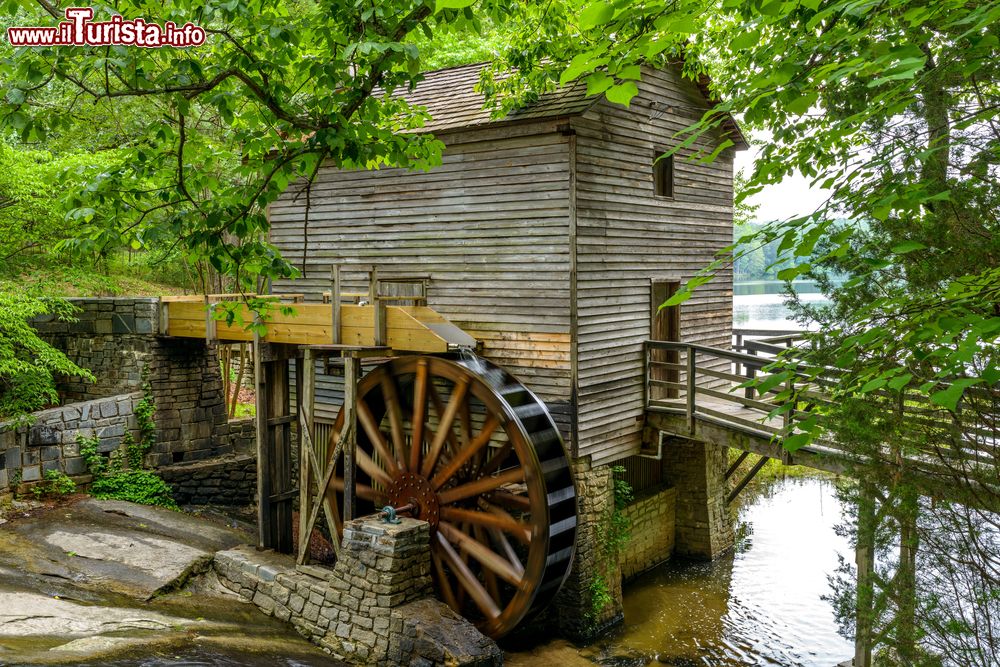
113	337
229	480
373	608
50	443
593	566
698	472
116	338
651	533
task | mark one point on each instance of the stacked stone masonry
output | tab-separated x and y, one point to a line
651	532
374	607
594	566
116	338
50	442
229	480
698	472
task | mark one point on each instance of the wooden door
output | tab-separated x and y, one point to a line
665	324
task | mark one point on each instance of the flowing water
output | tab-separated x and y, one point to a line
760	606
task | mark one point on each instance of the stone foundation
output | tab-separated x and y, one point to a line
594	569
374	607
698	472
651	534
230	480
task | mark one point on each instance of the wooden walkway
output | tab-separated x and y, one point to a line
695	391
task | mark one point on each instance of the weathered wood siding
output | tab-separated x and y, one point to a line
489	227
625	236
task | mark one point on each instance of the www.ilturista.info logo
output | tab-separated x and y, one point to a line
79	30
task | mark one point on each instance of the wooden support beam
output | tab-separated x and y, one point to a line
691	388
274	478
305	374
746	480
736	464
349	436
263	483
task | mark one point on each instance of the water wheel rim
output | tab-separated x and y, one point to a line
551	495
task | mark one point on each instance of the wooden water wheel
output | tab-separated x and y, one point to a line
474	453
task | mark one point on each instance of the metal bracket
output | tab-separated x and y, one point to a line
388	515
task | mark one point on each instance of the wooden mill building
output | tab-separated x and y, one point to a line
549	235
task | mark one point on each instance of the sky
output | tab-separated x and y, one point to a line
792	197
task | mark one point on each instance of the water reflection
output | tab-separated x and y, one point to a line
760	304
761	606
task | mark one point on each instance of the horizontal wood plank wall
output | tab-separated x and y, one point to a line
626	236
489	227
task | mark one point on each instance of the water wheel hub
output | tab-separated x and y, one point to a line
413	489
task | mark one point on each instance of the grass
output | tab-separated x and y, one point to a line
120	275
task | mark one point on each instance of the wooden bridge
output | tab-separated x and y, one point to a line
700	392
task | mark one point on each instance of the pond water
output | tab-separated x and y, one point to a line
760	304
760	606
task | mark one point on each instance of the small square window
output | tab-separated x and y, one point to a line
663	175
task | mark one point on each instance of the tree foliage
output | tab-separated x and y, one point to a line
28	365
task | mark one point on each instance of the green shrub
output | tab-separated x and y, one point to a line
136	486
122	475
56	484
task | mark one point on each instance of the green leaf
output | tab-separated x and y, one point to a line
900	381
440	5
949	398
872	385
796	441
745	40
596	14
907	247
622	93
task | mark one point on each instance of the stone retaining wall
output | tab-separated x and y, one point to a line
373	608
230	480
651	532
50	442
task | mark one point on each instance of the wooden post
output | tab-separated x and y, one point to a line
335	301
864	558
690	388
263	484
379	306
164	317
352	371
306	395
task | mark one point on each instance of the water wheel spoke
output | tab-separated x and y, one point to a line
444	429
491	580
495	461
376	437
486	557
467	580
505	522
480	486
466	453
395	420
439	409
465	424
419	414
443	583
520	503
371	468
508	550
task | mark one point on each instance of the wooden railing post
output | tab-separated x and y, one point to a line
335	302
379	306
690	388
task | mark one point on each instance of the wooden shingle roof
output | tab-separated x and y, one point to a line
451	98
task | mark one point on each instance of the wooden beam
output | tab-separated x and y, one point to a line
352	372
746	480
306	397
